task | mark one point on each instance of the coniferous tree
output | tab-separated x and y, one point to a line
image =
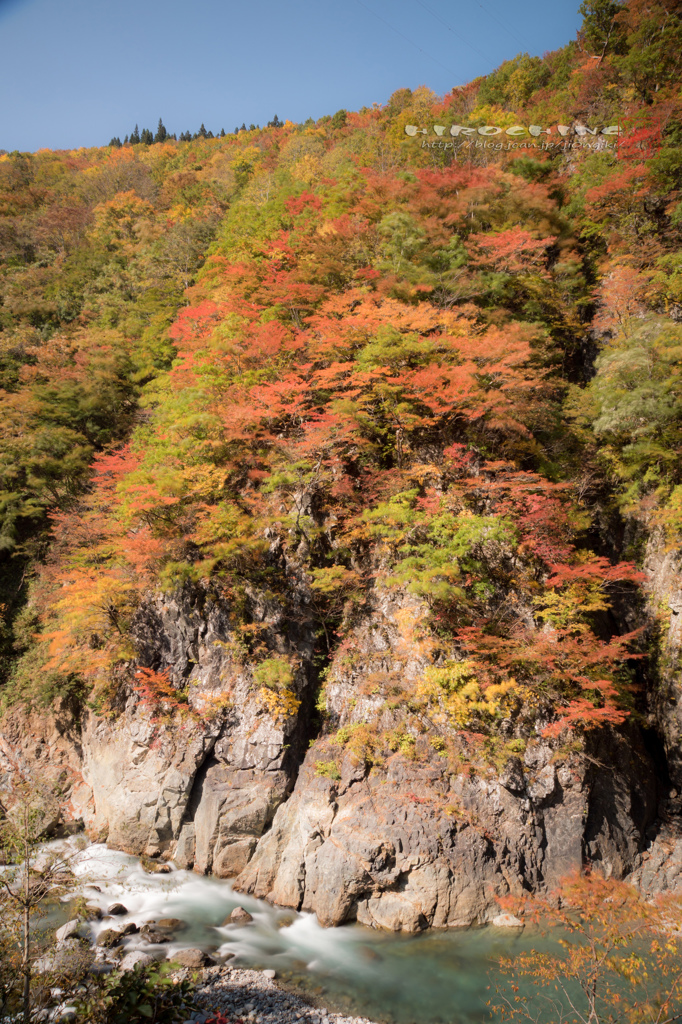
243	127
339	119
601	28
236	131
125	141
135	136
146	137
161	133
275	123
252	127
222	133
116	142
202	133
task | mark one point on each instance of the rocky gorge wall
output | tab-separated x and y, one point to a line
399	841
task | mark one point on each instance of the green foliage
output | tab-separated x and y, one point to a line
601	27
144	995
637	391
514	82
432	549
328	770
274	674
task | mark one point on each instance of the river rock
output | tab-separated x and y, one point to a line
68	958
92	912
130	928
269	973
117	910
155	936
238	916
507	921
108	938
171	924
68	930
134	959
192	958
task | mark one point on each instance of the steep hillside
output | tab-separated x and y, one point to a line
360	437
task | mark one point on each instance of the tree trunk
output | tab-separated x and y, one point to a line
27	967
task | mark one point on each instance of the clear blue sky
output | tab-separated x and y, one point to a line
75	72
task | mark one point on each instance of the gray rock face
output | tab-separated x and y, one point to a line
663	569
411	847
409	843
413	843
204	790
661	868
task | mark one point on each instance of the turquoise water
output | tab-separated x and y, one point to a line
433	978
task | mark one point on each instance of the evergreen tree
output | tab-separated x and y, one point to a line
209	135
161	133
601	28
236	131
202	132
125	141
135	136
243	127
116	142
146	137
275	123
252	127
222	133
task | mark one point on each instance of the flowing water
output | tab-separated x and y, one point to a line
423	979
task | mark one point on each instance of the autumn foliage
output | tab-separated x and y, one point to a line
618	958
319	359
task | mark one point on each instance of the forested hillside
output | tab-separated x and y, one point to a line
311	369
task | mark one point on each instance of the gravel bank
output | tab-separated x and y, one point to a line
252	997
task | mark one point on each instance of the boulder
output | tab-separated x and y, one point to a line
109	938
507	921
171	924
117	910
67	931
135	959
238	916
154	936
192	958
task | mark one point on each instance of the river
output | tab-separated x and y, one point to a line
433	978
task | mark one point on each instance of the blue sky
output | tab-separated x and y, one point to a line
75	72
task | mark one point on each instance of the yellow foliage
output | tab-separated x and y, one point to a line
279	704
362	741
454	695
308	169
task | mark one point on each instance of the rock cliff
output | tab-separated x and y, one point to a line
400	837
